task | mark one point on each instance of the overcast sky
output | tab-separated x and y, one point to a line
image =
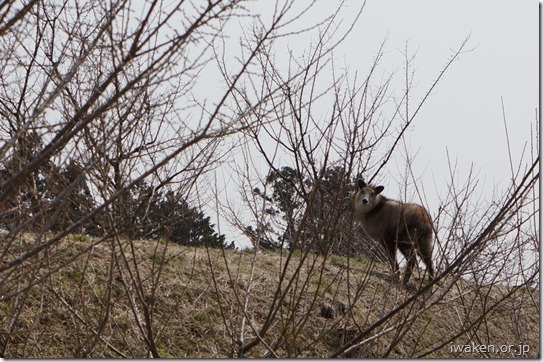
464	113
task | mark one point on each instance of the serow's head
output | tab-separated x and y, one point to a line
366	197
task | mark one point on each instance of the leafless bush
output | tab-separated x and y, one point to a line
107	87
478	246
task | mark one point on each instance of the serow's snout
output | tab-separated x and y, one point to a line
364	201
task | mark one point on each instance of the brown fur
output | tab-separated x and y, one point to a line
396	225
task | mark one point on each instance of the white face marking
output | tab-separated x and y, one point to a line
365	199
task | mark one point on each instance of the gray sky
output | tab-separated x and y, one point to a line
464	112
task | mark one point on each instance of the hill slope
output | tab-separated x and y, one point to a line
114	298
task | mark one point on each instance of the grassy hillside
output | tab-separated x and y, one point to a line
114	298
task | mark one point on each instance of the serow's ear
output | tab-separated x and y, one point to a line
361	183
379	189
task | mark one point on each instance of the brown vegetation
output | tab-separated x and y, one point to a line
93	308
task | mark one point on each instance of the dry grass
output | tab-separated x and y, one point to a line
195	300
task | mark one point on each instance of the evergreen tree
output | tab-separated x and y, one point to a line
156	214
325	206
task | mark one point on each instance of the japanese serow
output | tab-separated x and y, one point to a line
396	225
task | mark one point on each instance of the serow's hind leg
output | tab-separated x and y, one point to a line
411	257
425	252
429	266
395	267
